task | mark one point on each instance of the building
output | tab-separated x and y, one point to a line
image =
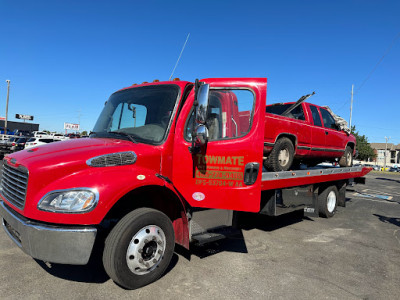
392	153
25	126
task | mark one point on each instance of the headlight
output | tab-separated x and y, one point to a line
70	201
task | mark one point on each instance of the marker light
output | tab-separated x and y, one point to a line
77	200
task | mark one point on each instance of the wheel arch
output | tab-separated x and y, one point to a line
352	145
290	136
157	197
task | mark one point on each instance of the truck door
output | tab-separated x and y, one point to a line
317	133
215	177
335	140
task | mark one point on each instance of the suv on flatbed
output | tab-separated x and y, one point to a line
304	132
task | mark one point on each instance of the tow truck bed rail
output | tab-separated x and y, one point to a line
277	180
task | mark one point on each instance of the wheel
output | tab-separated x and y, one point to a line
281	156
347	159
327	202
139	248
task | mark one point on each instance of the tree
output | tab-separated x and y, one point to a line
84	132
363	147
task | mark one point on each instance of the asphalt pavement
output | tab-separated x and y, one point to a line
354	255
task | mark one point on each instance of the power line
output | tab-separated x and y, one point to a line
378	63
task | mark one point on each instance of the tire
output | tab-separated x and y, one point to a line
139	248
327	202
281	156
347	159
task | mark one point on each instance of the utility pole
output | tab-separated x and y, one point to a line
8	94
386	138
351	105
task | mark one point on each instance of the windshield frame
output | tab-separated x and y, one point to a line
137	138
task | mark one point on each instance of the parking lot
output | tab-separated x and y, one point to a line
354	255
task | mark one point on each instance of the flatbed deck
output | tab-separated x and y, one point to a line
286	179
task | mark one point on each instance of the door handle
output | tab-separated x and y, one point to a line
251	173
326	132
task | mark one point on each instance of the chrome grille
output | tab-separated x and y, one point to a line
114	159
13	184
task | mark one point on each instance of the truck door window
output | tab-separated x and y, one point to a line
329	121
230	114
315	115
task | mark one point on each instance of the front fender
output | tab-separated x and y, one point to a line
111	182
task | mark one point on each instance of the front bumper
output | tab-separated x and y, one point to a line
51	243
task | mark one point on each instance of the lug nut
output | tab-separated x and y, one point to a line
154	238
159	251
154	260
147	265
141	260
159	242
146	241
140	250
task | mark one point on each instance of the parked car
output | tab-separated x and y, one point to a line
394	169
42	134
59	136
376	168
33	142
5	146
19	144
307	133
73	135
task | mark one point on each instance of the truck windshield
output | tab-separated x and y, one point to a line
139	114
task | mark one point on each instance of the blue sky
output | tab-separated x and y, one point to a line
64	58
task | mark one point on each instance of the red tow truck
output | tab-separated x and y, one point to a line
167	163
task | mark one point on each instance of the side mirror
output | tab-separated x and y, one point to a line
200	131
202	104
201	137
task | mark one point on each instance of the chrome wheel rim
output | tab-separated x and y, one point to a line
146	250
331	201
349	156
283	157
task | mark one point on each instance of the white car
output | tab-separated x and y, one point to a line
42	134
35	141
59	136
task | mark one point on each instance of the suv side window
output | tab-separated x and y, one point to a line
315	115
230	113
329	121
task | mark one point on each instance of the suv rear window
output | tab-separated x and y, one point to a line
279	109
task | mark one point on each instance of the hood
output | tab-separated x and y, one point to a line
73	154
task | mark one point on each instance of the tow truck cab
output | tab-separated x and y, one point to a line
167	163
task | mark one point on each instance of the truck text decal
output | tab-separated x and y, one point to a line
219	170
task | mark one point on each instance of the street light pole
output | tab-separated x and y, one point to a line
384	164
8	94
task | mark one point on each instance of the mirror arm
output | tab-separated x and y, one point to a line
193	149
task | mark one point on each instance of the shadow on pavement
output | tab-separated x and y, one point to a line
234	243
387	179
248	221
394	221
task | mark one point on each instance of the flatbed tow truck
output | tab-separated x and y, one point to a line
167	163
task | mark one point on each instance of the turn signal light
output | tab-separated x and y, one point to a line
156	80
176	79
144	82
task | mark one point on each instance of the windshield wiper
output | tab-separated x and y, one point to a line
124	134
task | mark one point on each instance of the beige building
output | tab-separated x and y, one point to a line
392	154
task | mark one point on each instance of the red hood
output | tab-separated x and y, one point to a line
76	152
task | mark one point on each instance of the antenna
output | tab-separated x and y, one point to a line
183	48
